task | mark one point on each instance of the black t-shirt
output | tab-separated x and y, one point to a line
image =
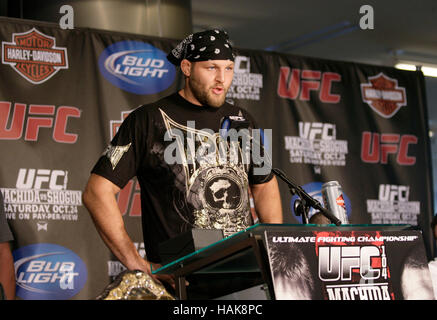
186	180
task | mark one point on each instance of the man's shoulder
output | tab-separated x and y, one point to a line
154	106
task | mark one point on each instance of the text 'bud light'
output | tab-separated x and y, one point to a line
47	271
137	67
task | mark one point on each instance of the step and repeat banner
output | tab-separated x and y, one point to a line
63	94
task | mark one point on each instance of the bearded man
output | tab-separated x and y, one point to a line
182	185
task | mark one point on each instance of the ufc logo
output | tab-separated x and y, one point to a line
393	193
375	148
38	116
317	130
40	178
299	85
129	199
338	263
242	64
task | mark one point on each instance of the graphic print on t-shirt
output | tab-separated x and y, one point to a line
216	181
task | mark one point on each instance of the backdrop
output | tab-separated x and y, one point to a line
63	95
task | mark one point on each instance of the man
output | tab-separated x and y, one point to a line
163	145
7	273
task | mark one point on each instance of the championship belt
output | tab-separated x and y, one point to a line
134	285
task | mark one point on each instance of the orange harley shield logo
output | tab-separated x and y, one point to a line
34	56
383	95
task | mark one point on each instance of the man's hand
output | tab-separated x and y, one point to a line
168	278
148	267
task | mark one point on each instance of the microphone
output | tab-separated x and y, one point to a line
233	122
305	198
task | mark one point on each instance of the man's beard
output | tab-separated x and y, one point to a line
205	96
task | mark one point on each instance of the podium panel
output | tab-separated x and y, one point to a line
349	265
310	262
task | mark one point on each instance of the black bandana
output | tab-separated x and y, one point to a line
203	46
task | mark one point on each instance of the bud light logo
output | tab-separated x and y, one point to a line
137	67
48	272
314	189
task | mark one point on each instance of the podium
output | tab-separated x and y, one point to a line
313	262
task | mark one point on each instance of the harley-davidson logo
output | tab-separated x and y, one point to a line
383	95
34	55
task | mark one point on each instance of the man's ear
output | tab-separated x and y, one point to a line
186	67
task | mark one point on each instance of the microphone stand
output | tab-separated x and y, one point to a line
302	205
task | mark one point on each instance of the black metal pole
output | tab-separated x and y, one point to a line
306	199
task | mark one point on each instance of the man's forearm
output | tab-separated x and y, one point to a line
99	198
267	201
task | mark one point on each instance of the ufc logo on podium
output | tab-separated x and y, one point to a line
338	263
375	148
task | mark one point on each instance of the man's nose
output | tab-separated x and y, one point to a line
220	75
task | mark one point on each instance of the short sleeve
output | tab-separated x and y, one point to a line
121	159
5	231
